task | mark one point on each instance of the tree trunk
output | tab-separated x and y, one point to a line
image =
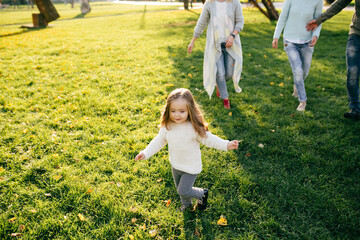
39	20
47	9
85	7
186	4
270	12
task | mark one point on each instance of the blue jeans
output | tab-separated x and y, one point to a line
225	71
300	56
353	64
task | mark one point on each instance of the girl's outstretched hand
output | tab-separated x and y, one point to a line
233	144
140	156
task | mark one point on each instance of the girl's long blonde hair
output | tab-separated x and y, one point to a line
195	116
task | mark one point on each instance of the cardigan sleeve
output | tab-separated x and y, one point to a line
203	20
334	9
239	17
213	141
282	19
156	144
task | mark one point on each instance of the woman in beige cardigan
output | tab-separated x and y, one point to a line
223	54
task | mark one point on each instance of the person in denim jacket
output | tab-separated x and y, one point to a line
352	52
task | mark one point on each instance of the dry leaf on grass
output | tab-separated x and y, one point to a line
16	234
168	202
153	233
81	217
222	221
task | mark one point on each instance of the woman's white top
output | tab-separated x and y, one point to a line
184	146
222	20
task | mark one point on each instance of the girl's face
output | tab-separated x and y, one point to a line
179	111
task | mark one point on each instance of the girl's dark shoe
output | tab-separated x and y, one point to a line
202	203
352	114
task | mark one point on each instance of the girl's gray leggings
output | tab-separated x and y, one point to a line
184	185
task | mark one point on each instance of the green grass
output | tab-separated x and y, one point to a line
79	99
22	14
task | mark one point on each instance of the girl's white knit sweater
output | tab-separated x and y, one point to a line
184	146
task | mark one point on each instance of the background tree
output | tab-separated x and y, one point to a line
85	6
269	11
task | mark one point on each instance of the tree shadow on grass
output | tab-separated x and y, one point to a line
24	31
301	170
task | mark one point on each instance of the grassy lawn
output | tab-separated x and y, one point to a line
79	99
22	14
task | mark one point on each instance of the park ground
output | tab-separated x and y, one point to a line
80	98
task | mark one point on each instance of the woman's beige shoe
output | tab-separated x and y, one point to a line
301	106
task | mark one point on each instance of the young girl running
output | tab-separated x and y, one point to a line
183	128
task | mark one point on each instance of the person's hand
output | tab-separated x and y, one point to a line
229	42
233	144
313	41
311	26
190	47
140	156
275	43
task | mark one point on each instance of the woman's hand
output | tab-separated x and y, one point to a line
313	41
311	26
233	145
275	43
229	41
191	45
140	156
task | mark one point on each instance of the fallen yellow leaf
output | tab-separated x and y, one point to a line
21	228
133	220
153	233
131	237
230	113
57	177
12	220
222	221
143	227
133	209
281	84
81	217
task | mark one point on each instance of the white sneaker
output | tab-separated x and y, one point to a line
301	106
295	93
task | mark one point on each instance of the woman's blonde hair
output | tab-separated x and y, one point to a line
195	116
